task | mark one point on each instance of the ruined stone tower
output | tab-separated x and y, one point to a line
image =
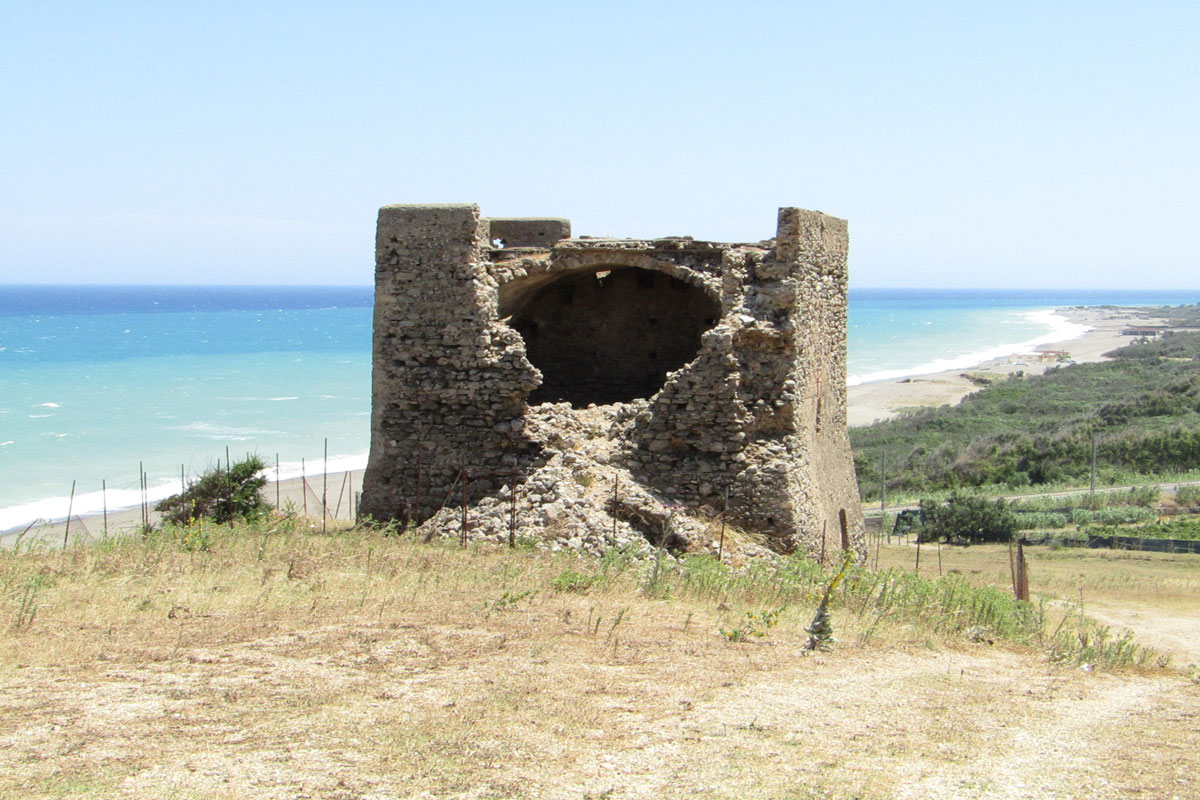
714	373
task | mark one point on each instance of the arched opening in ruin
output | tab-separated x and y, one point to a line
607	335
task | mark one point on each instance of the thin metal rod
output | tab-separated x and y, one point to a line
70	508
229	474
721	542
513	509
142	493
1095	440
337	509
463	534
616	485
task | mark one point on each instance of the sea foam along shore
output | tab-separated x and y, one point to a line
1085	334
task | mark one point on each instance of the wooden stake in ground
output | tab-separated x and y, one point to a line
104	504
1012	567
918	554
325	486
304	485
1022	573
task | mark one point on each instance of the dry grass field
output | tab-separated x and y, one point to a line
274	663
1156	596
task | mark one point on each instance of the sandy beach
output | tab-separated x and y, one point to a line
880	400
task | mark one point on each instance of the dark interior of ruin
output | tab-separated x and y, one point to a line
608	335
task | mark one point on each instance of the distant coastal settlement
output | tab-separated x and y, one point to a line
166	402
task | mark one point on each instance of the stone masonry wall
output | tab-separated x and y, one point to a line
755	415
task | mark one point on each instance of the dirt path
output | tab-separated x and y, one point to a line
1176	633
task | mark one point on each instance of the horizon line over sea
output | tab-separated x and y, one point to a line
99	378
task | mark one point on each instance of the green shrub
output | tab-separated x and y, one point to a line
969	518
1188	495
220	495
571	581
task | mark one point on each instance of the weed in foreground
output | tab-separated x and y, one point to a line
1079	641
820	630
756	625
571	581
507	600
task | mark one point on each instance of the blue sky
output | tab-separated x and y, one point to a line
969	144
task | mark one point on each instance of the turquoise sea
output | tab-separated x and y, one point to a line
97	380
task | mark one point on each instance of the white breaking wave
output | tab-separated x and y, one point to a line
315	467
224	433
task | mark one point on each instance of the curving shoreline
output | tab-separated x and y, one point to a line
881	400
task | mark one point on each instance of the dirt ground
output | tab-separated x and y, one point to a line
532	705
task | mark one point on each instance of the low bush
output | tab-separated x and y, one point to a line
1188	495
220	495
967	518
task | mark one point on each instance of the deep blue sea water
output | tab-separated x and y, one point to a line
94	380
